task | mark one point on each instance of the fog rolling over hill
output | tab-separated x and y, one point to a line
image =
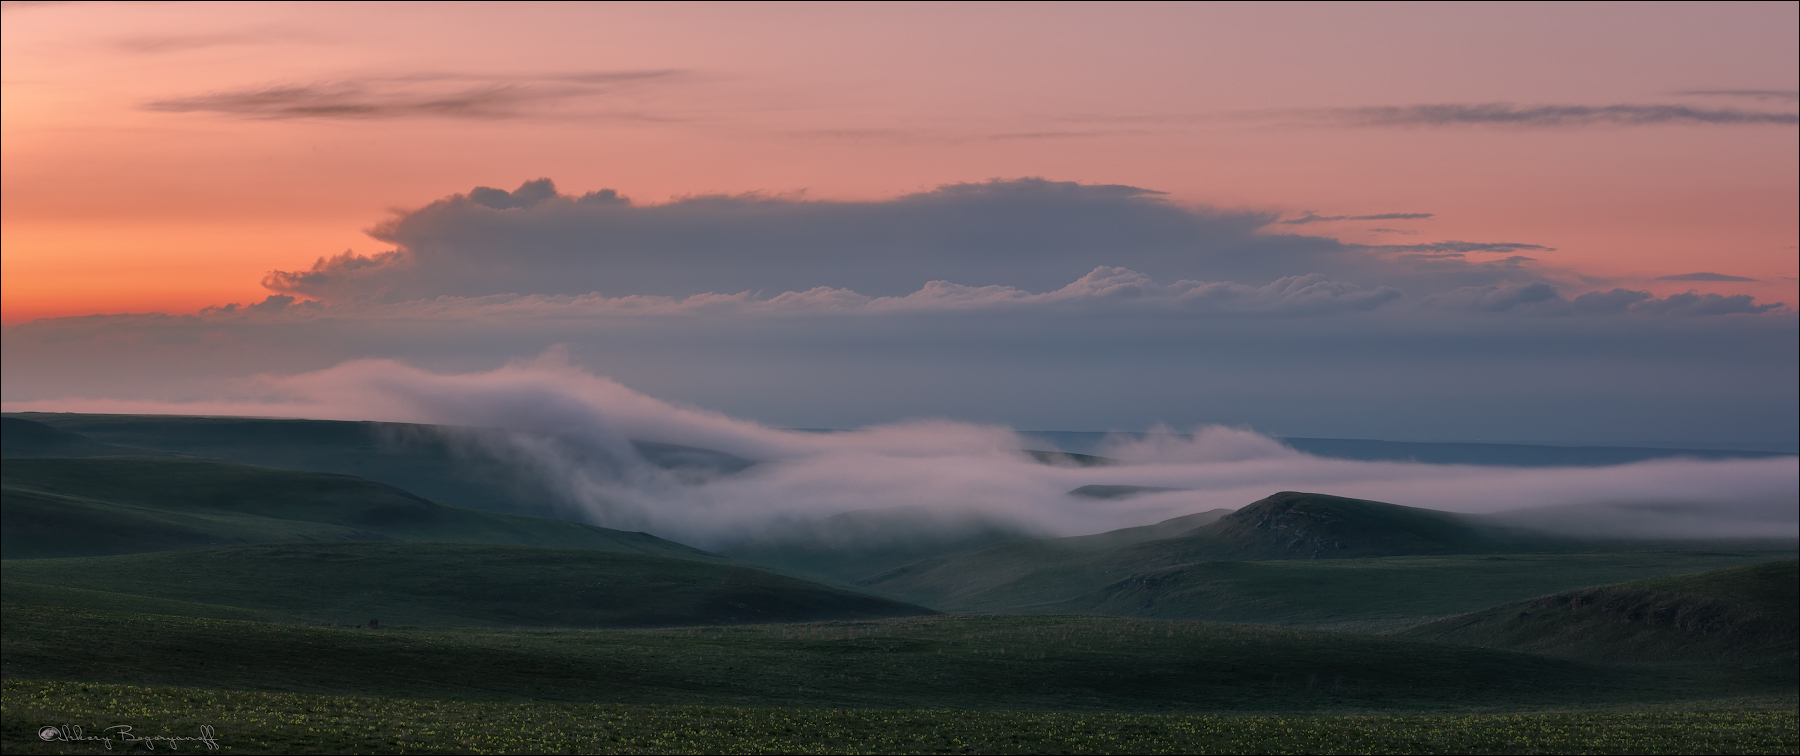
554	440
1199	568
60	507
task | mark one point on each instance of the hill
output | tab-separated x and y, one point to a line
1736	614
1225	570
1294	525
470	467
455	585
1449	453
57	507
24	438
1379	593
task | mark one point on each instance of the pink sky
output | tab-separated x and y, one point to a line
136	179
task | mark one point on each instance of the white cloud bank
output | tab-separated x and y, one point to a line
956	469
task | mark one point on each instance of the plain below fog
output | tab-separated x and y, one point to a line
573	428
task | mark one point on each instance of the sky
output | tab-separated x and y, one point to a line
1548	223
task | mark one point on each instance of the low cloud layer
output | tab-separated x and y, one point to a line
1313	218
959	471
955	245
416	96
1552	116
1704	277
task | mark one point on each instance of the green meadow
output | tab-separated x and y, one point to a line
169	592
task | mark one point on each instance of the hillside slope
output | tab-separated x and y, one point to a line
55	507
1378	593
24	438
1295	525
1742	613
1286	526
468	467
435	584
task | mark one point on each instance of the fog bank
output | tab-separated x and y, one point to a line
573	428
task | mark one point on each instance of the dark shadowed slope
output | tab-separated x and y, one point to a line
113	505
852	545
1741	613
1377	594
461	584
1023	572
25	438
1167	575
1294	525
469	467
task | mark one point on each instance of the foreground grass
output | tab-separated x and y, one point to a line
990	663
253	722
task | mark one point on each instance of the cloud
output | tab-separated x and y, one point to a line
169	43
573	427
1499	298
1311	218
1787	95
1461	247
1692	303
1703	277
1549	116
416	96
1544	299
1030	234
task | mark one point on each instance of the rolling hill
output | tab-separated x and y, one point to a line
469	467
1729	615
1294	525
1379	593
57	507
1227	569
24	438
449	585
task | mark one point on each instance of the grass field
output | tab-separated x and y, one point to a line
300	723
987	663
440	584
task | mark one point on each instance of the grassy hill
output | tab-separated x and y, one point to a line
56	507
1376	594
1729	615
1288	525
24	438
1227	569
981	663
1023	572
469	467
455	585
1293	525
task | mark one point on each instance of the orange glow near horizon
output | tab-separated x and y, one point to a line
116	200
